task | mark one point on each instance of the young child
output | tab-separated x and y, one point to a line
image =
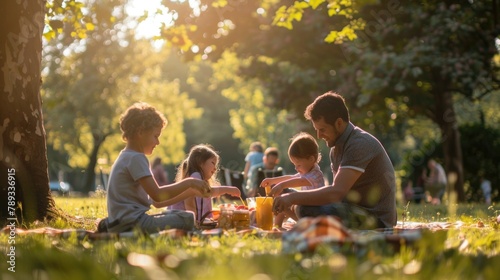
304	154
202	163
254	156
131	187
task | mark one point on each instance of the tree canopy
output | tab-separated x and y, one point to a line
390	60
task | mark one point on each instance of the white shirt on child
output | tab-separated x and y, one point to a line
126	199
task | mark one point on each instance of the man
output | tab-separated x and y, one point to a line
269	165
436	182
364	187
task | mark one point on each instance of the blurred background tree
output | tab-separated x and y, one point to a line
393	62
90	83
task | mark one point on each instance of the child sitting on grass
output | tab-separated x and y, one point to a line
131	187
202	163
304	154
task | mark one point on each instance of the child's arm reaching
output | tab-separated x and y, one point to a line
167	192
230	190
183	196
294	182
267	182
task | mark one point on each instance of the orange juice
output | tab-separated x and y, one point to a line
264	212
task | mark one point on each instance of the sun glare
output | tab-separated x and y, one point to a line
157	15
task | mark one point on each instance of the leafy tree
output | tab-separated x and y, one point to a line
22	146
403	57
81	89
423	54
481	149
213	126
254	119
86	92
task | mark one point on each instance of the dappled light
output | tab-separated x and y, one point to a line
422	78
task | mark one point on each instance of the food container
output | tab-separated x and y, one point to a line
241	219
226	218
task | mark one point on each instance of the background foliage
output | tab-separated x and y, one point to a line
242	77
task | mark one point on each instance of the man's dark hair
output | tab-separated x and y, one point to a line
330	106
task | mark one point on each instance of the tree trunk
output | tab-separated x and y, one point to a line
23	150
446	119
90	172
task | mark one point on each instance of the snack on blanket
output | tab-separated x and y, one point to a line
234	216
241	219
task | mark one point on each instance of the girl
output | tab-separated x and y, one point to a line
304	154
131	187
202	163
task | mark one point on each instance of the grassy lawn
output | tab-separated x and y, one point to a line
469	252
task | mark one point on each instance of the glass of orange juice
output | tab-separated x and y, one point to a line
264	212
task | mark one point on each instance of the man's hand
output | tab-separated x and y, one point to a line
281	204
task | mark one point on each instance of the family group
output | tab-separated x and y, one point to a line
362	194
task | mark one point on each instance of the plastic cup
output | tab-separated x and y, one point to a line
251	202
264	212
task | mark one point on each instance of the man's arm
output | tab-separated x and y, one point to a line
344	180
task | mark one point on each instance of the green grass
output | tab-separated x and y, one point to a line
469	252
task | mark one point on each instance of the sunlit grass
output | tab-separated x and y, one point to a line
469	252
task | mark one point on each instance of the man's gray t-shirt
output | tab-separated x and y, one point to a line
126	199
375	189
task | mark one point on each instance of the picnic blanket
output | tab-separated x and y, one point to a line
304	236
82	234
430	226
309	233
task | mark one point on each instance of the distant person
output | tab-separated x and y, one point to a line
419	188
131	187
486	189
254	156
269	164
435	182
304	154
363	194
202	163
408	191
159	173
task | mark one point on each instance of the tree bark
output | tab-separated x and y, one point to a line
23	150
450	136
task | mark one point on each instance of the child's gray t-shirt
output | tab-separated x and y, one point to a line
127	201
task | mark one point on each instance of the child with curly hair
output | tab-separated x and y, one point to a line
131	187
